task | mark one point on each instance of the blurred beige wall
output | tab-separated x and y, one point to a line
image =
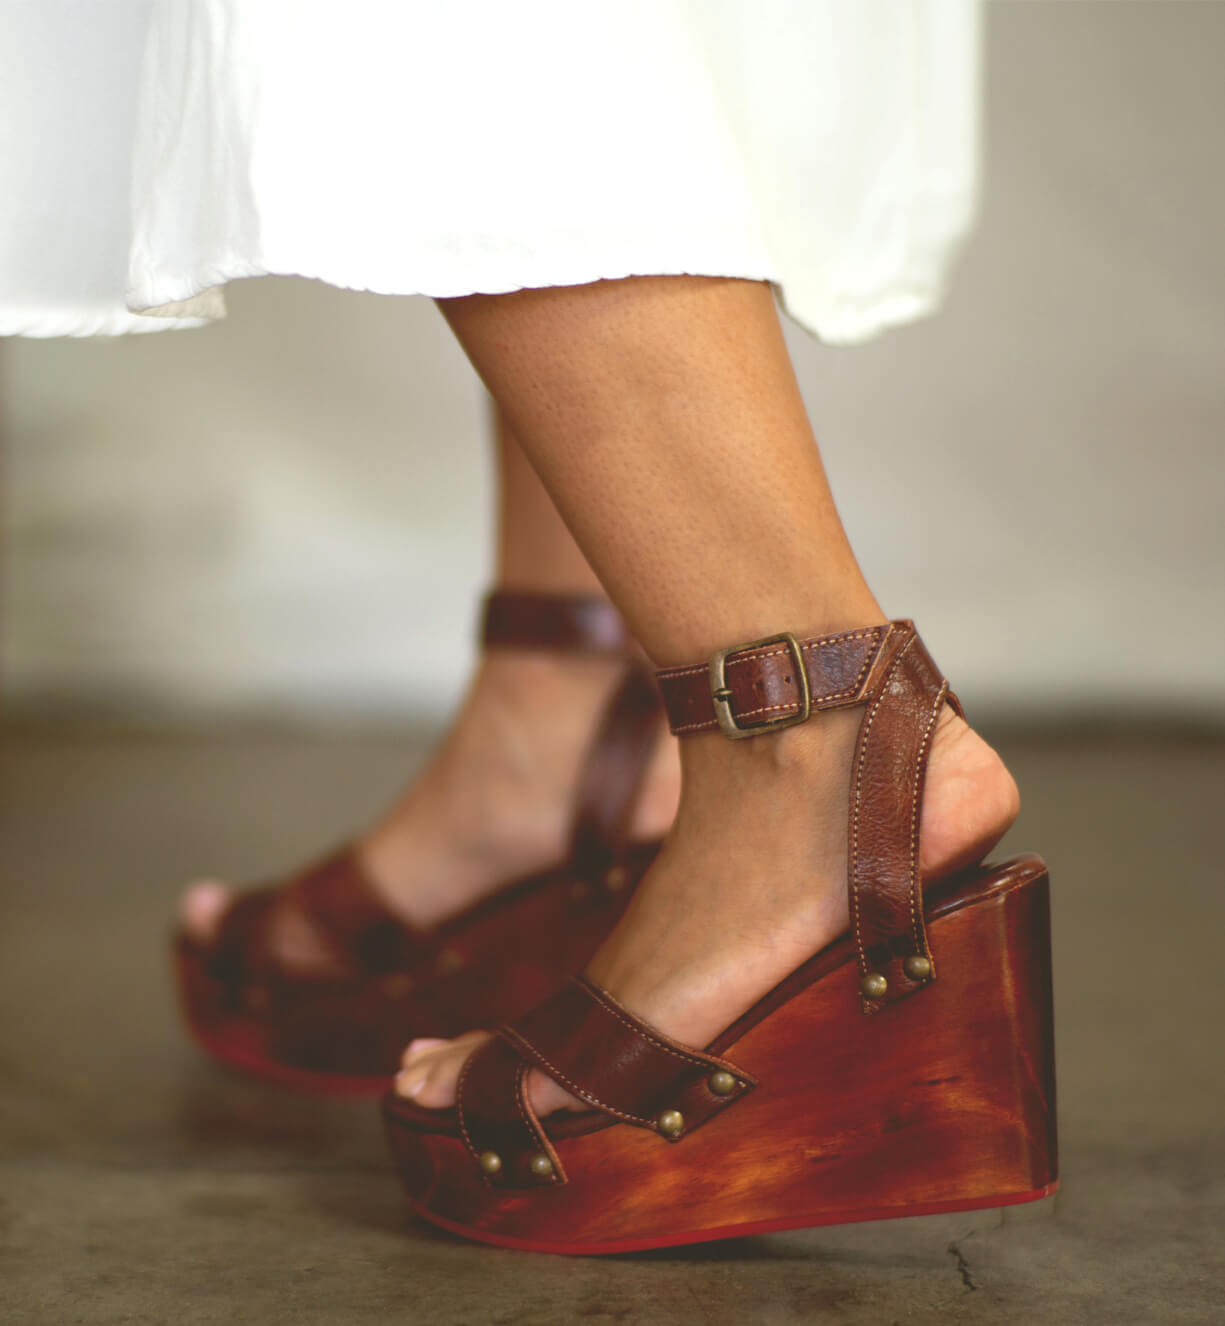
288	512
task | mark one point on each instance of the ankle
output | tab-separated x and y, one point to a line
529	719
497	798
718	772
544	685
793	787
502	779
543	712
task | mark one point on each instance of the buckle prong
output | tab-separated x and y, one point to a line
721	695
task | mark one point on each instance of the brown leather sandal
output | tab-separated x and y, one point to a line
942	1098
341	1025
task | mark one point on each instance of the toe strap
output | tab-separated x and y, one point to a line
336	898
355	933
601	1053
499	1126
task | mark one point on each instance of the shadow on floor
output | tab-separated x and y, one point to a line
139	1184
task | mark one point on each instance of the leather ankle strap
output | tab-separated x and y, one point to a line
620	753
755	689
614	774
759	686
568	623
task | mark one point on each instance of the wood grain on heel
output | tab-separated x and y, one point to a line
942	1102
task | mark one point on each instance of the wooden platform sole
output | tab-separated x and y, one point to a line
944	1102
241	1044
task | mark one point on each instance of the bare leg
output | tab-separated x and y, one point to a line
495	799
535	550
663	416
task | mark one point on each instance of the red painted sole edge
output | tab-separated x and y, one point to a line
247	1061
301	1081
989	1203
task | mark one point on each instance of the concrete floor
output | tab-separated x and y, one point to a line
140	1185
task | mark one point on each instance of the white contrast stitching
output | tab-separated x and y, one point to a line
710	724
914	816
625	1016
532	1122
860	759
810	646
591	1099
521	1070
795	704
683	672
706	724
459	1103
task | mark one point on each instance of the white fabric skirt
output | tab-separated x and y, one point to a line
152	150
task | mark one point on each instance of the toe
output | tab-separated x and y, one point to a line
417	1047
431	1070
430	1076
202	906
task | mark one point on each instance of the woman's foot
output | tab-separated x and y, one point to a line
752	881
494	803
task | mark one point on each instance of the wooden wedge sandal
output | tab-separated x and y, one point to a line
340	1026
905	1069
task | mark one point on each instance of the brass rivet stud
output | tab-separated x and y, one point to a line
918	968
490	1162
540	1165
614	879
722	1083
873	985
671	1123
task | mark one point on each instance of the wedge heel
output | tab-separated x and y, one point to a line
943	1103
907	1068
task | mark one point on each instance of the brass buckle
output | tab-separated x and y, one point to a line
721	696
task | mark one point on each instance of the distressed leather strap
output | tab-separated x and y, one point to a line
569	623
887	670
604	1055
499	1126
350	925
763	683
349	917
617	1063
615	770
619	756
887	777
